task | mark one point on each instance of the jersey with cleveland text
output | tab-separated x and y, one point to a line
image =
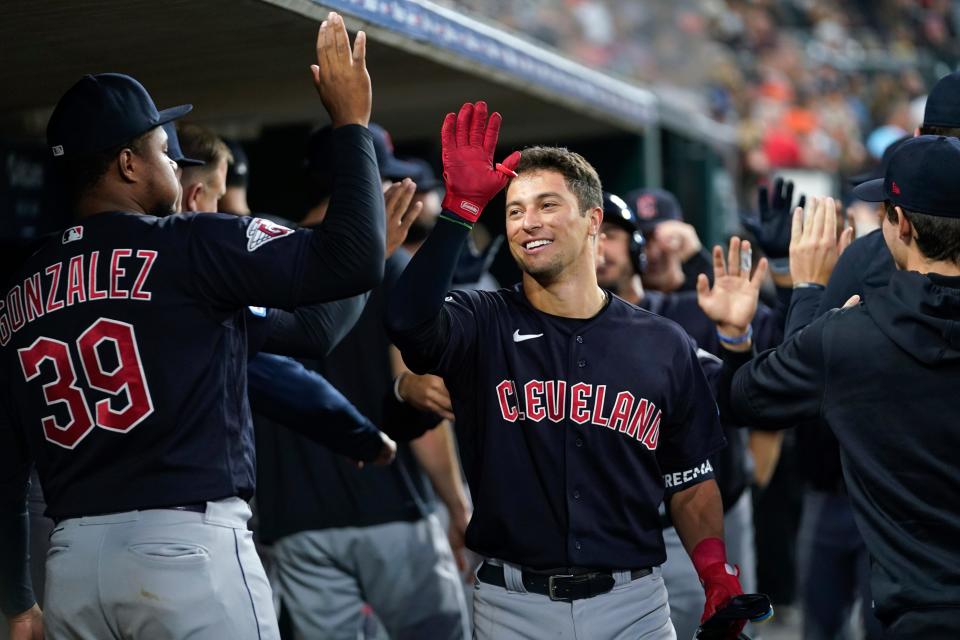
575	427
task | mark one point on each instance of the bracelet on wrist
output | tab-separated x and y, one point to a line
744	338
396	387
809	285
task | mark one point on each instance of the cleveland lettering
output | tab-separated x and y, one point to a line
582	402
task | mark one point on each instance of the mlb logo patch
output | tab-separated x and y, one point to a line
260	232
72	234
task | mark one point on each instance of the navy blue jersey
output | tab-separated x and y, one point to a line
124	345
574	425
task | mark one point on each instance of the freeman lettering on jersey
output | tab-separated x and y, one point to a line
681	478
88	277
583	402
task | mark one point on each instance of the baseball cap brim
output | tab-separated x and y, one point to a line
399	169
167	115
871	190
189	162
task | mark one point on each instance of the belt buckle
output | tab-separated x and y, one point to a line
552	586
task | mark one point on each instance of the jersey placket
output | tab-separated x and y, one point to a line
575	447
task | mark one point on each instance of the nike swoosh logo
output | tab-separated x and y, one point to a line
518	337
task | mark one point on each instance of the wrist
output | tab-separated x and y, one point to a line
731	335
707	553
336	123
468	209
455	218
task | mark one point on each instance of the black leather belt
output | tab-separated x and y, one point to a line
199	507
565	586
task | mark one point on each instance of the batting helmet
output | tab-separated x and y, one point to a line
616	211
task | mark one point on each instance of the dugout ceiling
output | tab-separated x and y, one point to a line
244	64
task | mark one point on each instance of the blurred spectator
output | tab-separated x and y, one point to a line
805	80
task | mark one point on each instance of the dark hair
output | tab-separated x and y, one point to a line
78	175
936	130
580	176
938	237
200	143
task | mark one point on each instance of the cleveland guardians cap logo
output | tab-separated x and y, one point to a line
261	231
647	206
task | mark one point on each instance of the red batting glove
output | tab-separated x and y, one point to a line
718	578
468	143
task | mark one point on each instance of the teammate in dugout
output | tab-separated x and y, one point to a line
575	404
123	368
883	376
619	271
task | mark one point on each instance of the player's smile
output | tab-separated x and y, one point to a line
538	245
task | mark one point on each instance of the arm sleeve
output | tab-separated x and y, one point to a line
693	433
241	261
16	587
285	391
420	324
784	386
804	308
307	332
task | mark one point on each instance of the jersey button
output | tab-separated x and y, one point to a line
576	494
579	442
581	363
579	339
577	544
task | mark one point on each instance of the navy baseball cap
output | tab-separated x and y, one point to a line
391	167
654	206
425	178
616	211
921	177
943	103
103	111
881	169
174	152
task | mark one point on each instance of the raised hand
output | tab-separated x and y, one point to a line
771	227
401	212
468	142
732	302
814	246
340	74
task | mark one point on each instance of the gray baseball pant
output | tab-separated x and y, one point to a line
404	570
632	610
158	574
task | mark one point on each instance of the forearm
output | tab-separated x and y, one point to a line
315	330
415	321
346	256
303	401
697	513
436	452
